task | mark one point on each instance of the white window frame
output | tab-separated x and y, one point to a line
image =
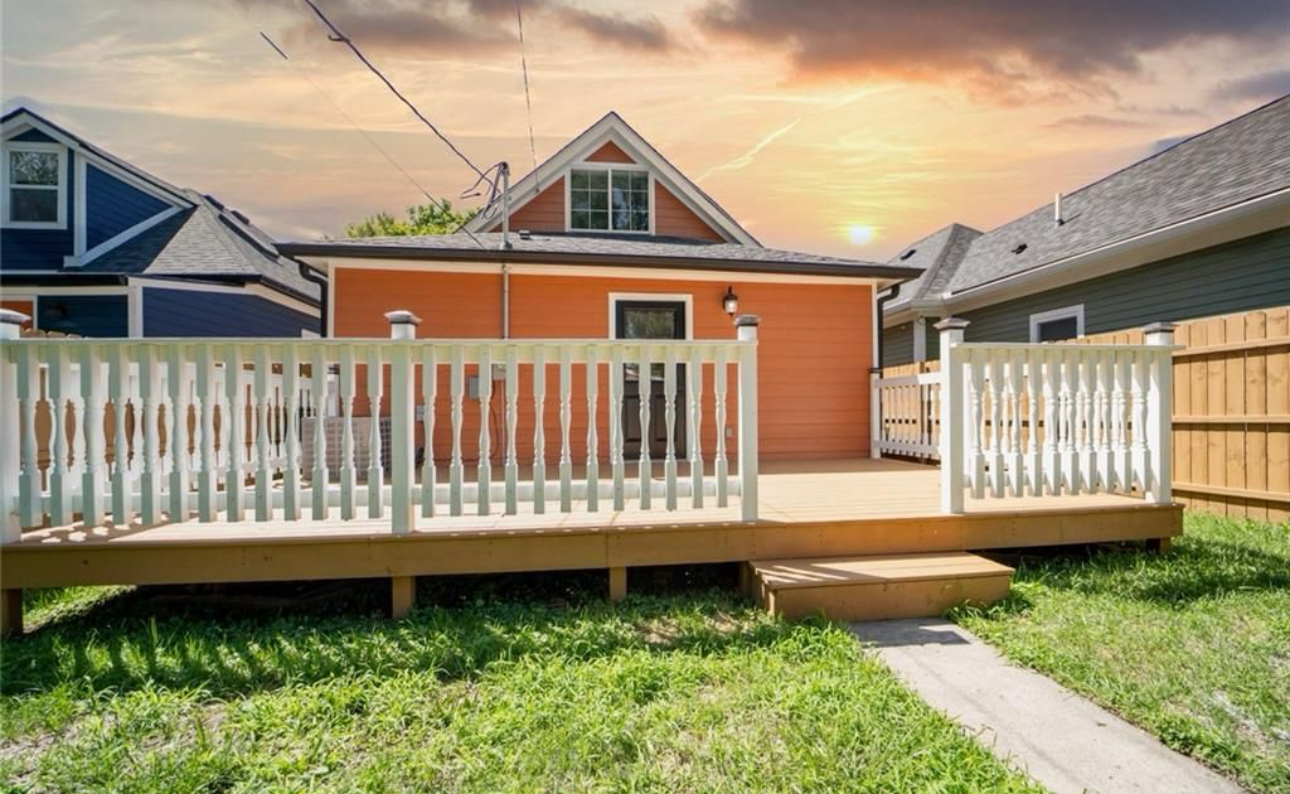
1064	313
34	146
657	297
610	167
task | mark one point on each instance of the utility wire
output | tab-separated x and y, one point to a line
528	99
337	36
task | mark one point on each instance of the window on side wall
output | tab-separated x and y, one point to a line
609	200
1058	324
35	186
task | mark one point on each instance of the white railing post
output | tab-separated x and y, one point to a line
1160	396
403	327
10	329
746	326
875	413
952	414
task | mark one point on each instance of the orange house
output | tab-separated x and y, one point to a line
609	240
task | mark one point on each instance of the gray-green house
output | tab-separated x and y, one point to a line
1200	229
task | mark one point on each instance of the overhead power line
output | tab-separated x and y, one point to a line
528	99
338	36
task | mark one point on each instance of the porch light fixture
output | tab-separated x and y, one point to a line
730	302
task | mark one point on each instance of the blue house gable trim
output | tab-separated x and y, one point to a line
113	206
40	249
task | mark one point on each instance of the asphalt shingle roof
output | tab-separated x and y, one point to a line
581	247
938	255
204	241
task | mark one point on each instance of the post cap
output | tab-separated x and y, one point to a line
1160	328
747	320
11	317
402	317
952	324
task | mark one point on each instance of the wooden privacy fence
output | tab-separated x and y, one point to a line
1231	406
1034	419
237	451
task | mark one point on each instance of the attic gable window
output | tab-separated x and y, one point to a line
609	200
35	185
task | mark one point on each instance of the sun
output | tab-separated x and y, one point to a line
861	234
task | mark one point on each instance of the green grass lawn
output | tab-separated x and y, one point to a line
1193	646
124	691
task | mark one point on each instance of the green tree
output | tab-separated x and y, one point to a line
429	218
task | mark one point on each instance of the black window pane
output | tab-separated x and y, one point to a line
579	200
578	180
579	219
597	180
33	168
599	200
650	323
1057	330
597	220
33	206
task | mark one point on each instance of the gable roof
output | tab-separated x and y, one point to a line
1239	161
206	242
202	240
611	128
599	249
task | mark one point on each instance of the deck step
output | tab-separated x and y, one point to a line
877	587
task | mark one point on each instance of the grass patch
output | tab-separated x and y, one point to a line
1194	646
555	692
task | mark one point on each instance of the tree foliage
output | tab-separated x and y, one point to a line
429	218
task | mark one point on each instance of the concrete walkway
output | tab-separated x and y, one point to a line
1063	741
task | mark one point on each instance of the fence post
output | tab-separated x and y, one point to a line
403	327
875	413
952	415
746	325
1160	397
10	329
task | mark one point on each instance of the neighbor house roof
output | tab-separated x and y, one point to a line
1241	160
938	255
206	241
201	239
600	249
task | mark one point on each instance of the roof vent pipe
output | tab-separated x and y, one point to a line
504	169
1057	210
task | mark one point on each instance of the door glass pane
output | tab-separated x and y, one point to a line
647	323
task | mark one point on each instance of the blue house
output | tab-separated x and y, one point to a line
92	245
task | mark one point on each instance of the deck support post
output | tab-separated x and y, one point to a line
10	613
1159	545
1160	397
403	327
403	594
746	325
952	415
617	583
10	430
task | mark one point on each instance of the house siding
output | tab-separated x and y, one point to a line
1238	276
112	206
192	313
898	345
815	345
33	136
1252	273
673	218
84	315
41	249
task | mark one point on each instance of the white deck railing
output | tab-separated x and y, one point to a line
1036	420
112	407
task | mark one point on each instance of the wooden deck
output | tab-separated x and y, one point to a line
808	509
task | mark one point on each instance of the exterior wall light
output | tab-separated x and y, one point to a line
730	302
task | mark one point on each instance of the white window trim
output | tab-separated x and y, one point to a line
1064	313
659	297
34	146
611	167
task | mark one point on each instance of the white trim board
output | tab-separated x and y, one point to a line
659	297
1065	313
589	271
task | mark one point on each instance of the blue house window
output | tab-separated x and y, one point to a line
35	186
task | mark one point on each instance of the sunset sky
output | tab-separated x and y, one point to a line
849	127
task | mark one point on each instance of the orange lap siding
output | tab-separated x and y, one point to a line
814	354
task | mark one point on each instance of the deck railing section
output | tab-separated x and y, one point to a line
146	431
1035	420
